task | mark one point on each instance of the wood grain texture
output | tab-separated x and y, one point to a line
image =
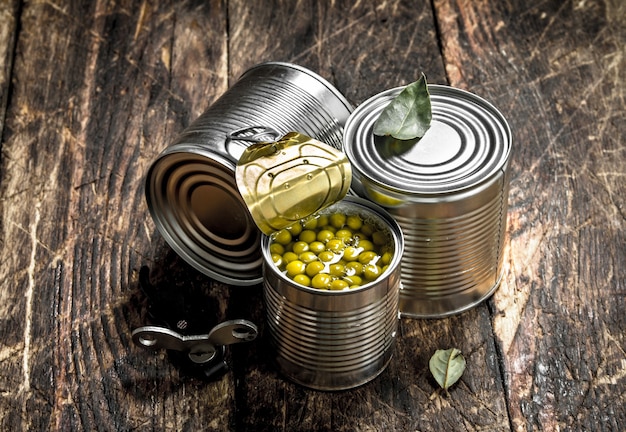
8	34
92	92
556	70
98	91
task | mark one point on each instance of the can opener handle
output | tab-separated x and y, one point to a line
199	348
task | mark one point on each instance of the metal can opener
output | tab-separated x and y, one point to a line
201	349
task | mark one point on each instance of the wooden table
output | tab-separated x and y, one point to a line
92	92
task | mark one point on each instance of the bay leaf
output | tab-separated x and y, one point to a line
447	366
408	115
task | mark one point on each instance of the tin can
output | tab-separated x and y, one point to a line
190	188
334	340
448	192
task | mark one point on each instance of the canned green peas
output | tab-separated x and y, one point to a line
335	251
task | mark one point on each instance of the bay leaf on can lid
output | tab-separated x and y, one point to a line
285	181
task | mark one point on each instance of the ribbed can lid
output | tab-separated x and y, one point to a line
468	142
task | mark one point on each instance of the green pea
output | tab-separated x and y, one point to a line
325	235
326	256
302	279
278	259
295	229
344	234
338	285
317	247
368	229
322	220
379	238
366	245
351	253
307	257
386	258
354	222
277	248
282	237
368	257
310	223
337	270
337	220
371	272
321	281
354	268
300	247
335	245
314	268
308	236
289	257
295	267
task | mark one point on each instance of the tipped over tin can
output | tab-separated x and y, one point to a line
190	188
448	192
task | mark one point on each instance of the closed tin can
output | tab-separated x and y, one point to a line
190	188
448	192
335	340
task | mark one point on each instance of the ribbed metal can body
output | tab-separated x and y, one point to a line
190	188
448	192
334	340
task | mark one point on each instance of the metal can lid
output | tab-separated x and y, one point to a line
468	142
285	181
191	193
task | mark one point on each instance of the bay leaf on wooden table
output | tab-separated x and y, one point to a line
447	366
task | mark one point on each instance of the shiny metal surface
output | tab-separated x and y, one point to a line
200	348
273	178
190	188
333	340
448	192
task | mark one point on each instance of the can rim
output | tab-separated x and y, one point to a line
400	192
370	207
169	226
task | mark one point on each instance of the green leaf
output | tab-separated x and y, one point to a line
447	366
408	115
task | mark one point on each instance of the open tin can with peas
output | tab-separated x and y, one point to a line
331	264
332	296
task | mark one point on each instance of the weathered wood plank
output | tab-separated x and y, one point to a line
8	34
556	69
98	90
359	47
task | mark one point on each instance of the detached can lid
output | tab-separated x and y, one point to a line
285	181
469	141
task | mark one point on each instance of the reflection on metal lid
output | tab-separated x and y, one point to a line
196	196
288	180
468	142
